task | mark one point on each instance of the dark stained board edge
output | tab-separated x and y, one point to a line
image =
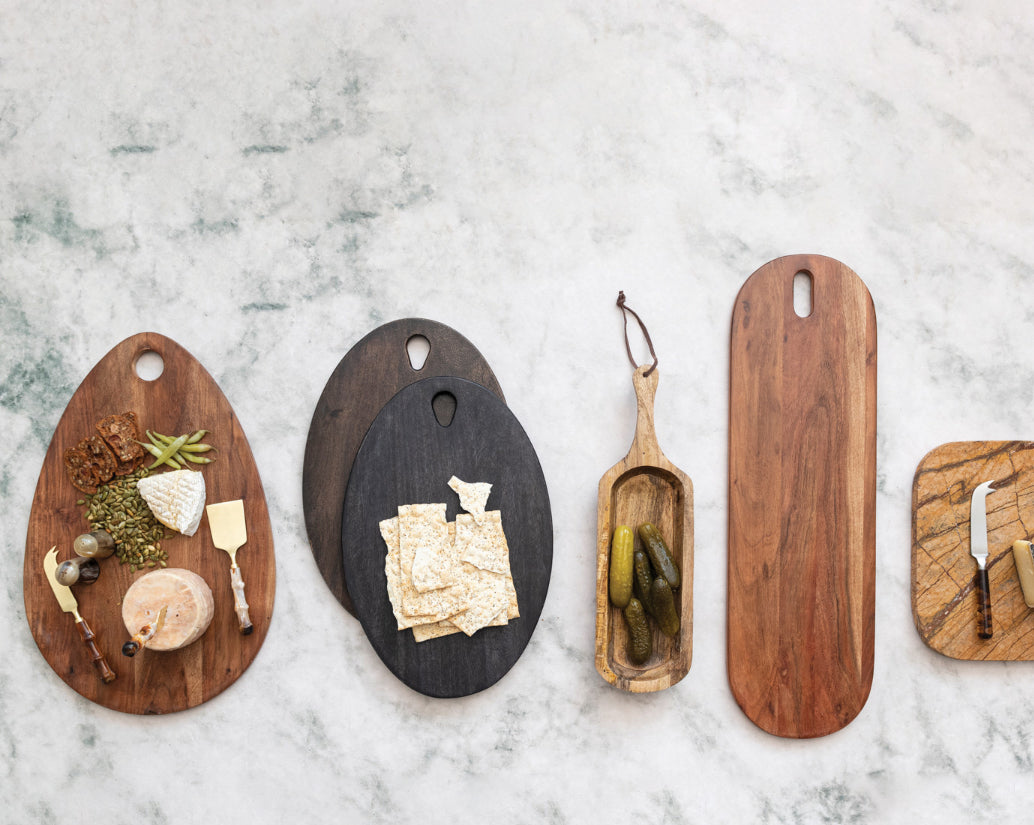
365	379
406	458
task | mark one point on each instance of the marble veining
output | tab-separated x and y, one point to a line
267	182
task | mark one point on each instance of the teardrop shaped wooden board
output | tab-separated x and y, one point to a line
644	487
407	457
802	498
365	380
944	597
182	399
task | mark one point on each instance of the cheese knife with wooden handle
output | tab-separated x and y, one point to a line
68	604
978	550
145	634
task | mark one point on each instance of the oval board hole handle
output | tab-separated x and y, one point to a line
417	348
802	297
149	365
444	406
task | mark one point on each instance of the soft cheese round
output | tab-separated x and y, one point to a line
187	597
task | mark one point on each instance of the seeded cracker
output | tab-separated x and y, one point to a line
424	632
445	577
492	599
473	497
483	545
424	535
433	605
393	571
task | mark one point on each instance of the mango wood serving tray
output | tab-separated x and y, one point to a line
644	487
183	398
944	595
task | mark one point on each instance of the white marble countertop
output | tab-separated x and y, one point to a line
265	183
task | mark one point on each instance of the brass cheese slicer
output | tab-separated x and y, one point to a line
229	533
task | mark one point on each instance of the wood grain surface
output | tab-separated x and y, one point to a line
183	399
367	377
407	457
644	487
944	591
802	499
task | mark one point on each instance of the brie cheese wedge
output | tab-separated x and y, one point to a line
177	499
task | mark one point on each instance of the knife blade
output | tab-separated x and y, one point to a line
68	604
978	550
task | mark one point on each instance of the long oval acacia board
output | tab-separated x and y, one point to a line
369	375
944	596
802	498
408	457
183	398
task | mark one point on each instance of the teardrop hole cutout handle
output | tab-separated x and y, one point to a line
444	406
417	348
802	294
149	365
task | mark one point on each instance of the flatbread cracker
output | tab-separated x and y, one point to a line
392	571
448	577
425	545
407	604
492	599
473	496
483	545
424	632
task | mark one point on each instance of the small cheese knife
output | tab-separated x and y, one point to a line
145	634
69	605
229	532
978	550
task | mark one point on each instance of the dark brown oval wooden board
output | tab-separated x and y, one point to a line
802	499
183	398
644	487
407	457
944	599
368	376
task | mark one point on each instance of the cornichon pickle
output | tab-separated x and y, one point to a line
663	601
660	556
621	566
643	579
640	644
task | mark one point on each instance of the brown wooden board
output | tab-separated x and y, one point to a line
408	457
944	594
182	399
802	498
368	376
644	487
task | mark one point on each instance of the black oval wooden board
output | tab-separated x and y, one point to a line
407	457
364	380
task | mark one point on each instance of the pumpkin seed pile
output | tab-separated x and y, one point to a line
118	508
